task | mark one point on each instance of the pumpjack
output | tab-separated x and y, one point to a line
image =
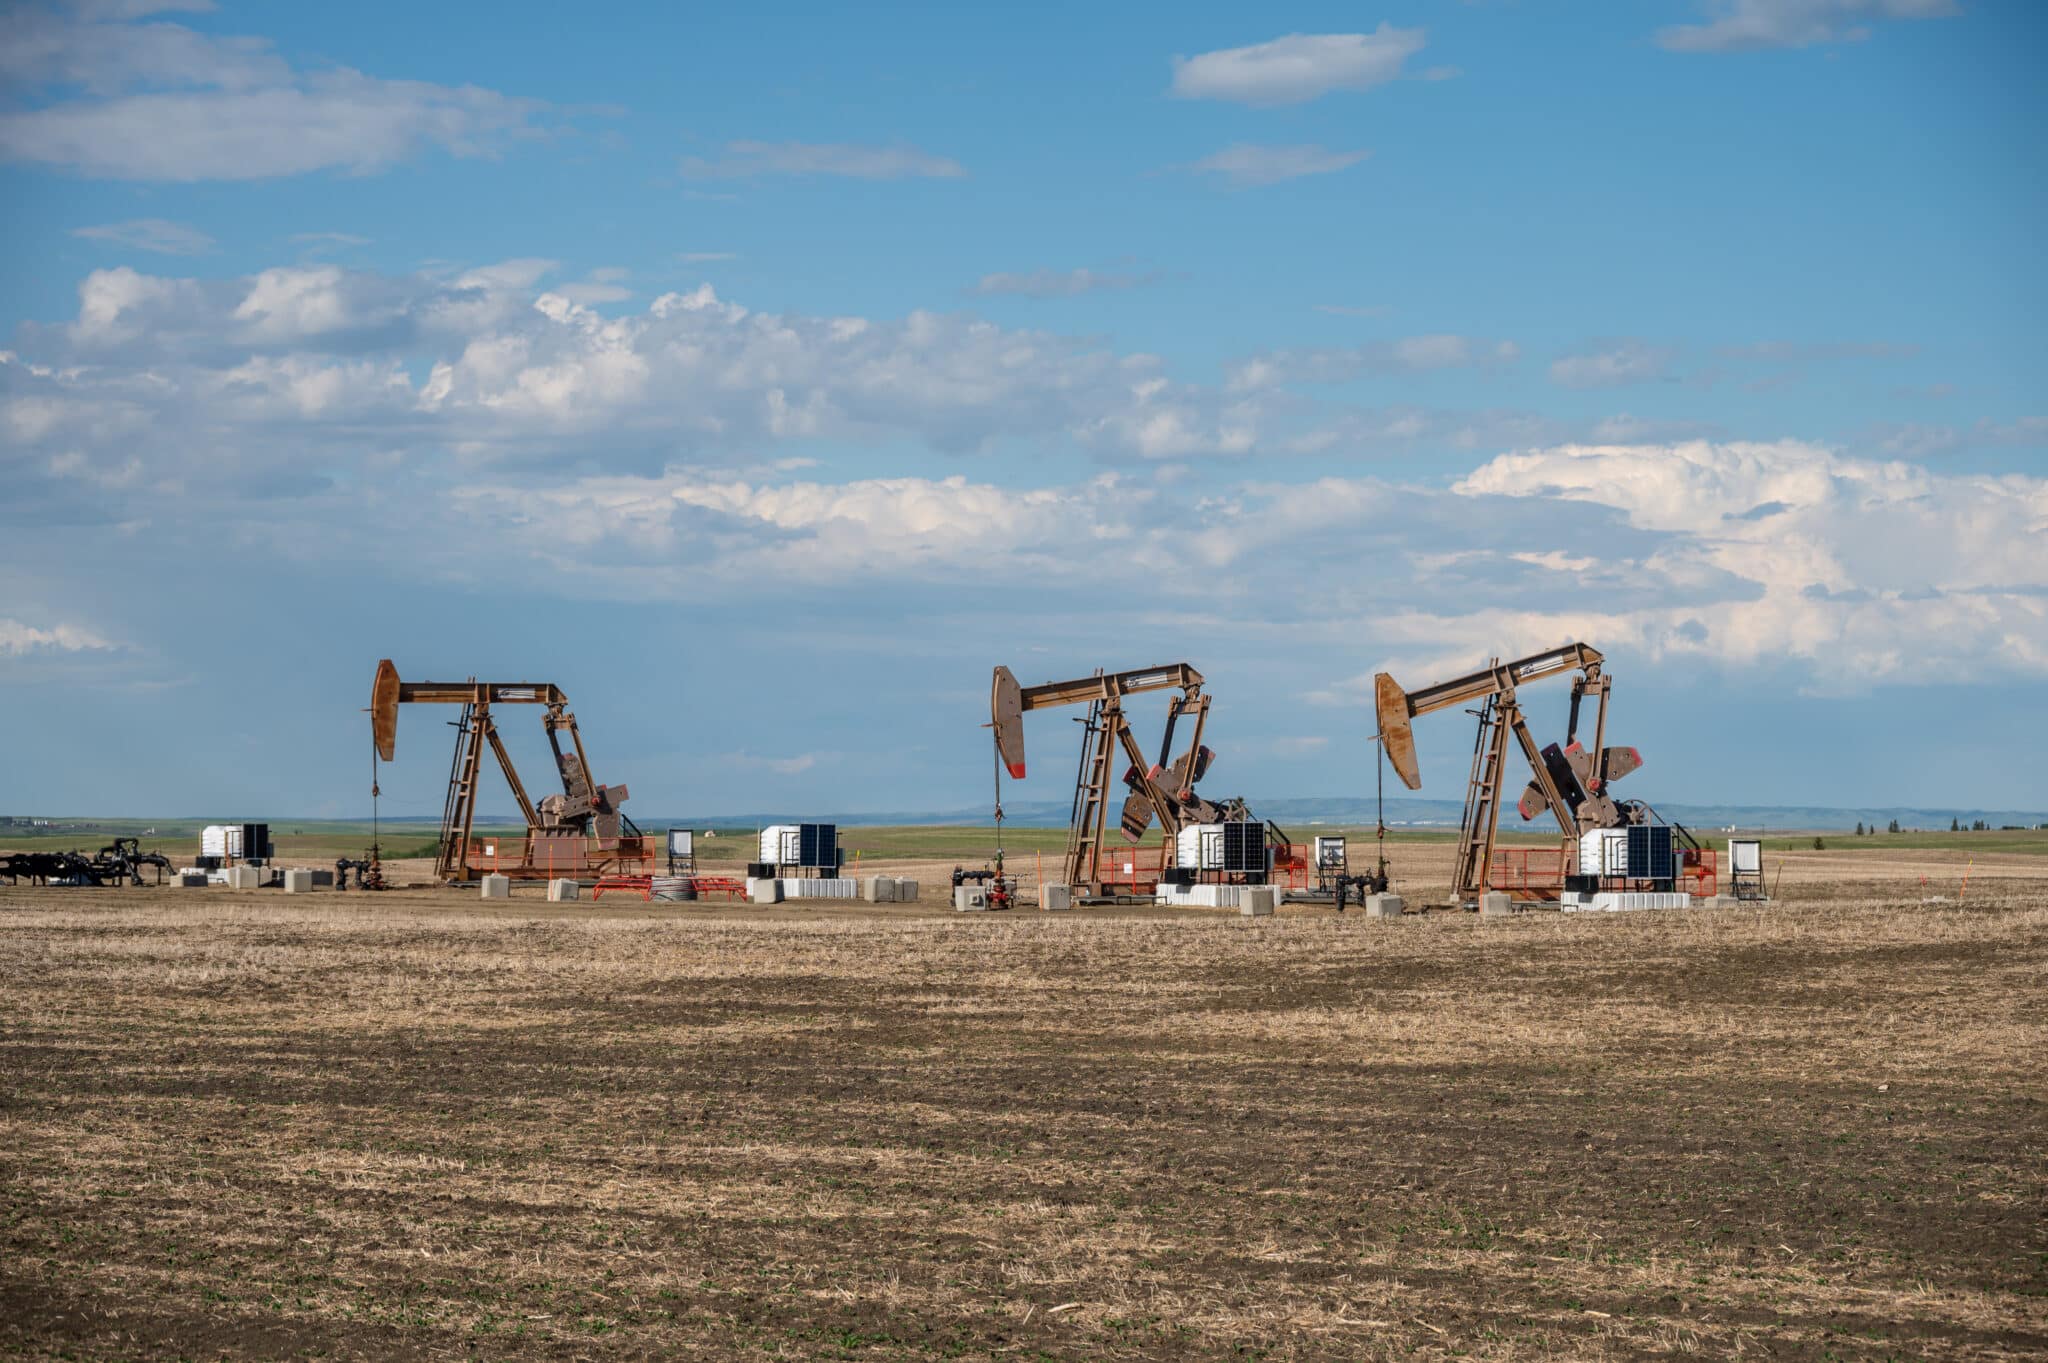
1571	781
560	827
1164	789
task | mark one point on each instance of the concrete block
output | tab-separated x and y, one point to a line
1384	906
1496	904
970	899
563	891
496	887
879	889
298	881
764	891
1055	898
906	891
245	877
1622	901
1724	901
193	880
1257	901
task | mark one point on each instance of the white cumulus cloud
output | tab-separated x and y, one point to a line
1297	67
1865	571
161	102
18	639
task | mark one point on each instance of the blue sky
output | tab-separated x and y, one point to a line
763	376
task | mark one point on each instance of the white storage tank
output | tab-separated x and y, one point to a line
1199	847
813	845
1604	852
779	844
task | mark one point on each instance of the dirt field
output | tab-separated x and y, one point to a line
415	1126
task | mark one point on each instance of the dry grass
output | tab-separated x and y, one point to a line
403	1127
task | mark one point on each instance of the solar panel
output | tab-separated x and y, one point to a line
817	844
1244	846
1652	852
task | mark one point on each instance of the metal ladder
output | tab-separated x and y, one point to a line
1482	805
462	771
1091	784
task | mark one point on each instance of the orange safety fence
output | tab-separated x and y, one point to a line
1539	872
1130	870
1138	870
547	859
1533	872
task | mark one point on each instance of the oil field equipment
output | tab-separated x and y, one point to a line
987	888
1162	790
118	863
1746	870
228	843
800	851
682	851
579	833
1571	781
369	871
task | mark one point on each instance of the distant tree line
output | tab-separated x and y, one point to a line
1955	825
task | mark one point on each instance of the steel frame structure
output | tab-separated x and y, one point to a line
1156	789
1571	782
584	807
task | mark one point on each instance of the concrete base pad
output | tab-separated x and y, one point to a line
496	887
1496	904
560	891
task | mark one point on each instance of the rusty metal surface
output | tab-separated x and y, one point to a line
1159	792
1592	782
585	810
384	709
1006	714
1397	708
1397	736
1569	782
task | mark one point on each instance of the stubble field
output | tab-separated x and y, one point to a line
406	1126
